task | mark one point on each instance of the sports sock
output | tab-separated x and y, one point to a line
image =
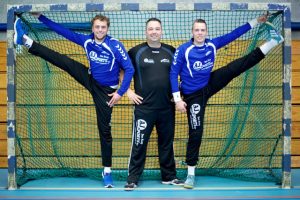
107	170
266	47
27	41
191	170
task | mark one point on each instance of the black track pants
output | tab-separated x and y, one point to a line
197	101
143	123
99	93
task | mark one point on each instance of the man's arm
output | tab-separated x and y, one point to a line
136	99
125	62
221	41
174	72
59	29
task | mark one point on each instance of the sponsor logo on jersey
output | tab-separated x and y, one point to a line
140	125
197	65
104	52
155	51
195	120
165	60
148	60
207	53
122	52
102	59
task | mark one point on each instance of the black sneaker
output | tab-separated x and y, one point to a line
130	186
173	182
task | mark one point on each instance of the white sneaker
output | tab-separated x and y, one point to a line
273	34
189	182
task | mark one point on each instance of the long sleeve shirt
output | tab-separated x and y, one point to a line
105	58
151	77
195	63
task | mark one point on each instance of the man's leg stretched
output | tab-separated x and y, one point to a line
221	77
76	69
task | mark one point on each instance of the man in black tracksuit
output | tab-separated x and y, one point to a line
153	106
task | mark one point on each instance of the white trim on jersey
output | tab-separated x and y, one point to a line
186	55
113	55
86	52
213	46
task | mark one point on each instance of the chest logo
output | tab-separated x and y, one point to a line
148	60
207	53
104	52
102	59
165	60
197	65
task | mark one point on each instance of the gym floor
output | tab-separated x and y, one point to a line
207	187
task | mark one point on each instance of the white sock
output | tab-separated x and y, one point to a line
27	41
191	170
107	170
266	47
253	23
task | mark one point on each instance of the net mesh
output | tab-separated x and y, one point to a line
57	131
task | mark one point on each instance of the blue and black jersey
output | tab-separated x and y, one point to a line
195	63
151	78
105	59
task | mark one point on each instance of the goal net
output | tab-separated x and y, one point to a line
56	126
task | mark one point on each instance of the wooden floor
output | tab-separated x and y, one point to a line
207	187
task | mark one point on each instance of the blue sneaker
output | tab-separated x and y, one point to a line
273	33
18	31
107	180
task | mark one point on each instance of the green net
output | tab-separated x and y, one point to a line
57	131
